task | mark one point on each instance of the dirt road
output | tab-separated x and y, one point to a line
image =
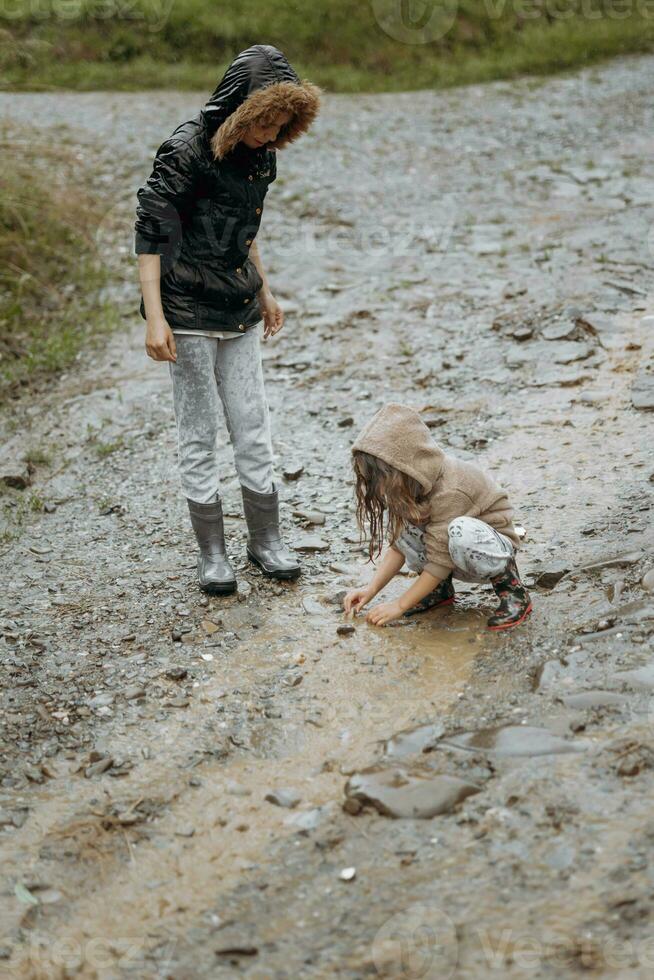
484	255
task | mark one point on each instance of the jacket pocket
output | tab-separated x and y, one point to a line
183	278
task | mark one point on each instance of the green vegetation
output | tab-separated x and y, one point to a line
129	44
49	272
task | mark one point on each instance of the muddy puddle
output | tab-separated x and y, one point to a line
341	695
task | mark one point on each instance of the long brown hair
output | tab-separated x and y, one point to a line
386	499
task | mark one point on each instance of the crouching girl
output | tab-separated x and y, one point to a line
445	517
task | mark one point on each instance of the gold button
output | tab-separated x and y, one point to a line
250	177
248	241
246	300
257	211
241	326
239	269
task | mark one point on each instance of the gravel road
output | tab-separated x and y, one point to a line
173	768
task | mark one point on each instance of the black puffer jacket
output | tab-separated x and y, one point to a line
201	207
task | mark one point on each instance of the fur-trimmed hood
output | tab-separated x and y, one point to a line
258	84
398	436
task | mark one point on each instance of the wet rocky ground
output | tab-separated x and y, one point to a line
195	787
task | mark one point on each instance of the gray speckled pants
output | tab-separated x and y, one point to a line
209	373
478	551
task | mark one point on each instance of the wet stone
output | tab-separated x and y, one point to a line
345	629
134	692
286	797
641	679
559	331
306	820
15	474
593	699
616	561
405	794
98	767
413	741
312	605
311	543
103	700
515	740
563	377
550	576
642	393
310	517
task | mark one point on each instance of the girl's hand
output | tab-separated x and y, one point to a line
160	341
385	613
273	315
356	599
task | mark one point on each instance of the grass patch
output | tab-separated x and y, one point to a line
50	273
95	44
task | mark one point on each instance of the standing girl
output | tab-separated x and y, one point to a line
204	292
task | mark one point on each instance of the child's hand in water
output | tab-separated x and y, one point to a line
356	599
384	613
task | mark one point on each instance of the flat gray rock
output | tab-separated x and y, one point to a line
593	699
405	794
642	393
514	740
641	679
311	542
284	797
413	741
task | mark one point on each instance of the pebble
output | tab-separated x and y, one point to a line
176	673
287	798
641	679
647	581
98	767
237	789
549	577
310	516
311	542
348	874
16	475
559	331
134	692
345	629
295	474
306	820
642	393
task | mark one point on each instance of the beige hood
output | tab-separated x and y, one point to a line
398	436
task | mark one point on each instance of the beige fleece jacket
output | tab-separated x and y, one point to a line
455	487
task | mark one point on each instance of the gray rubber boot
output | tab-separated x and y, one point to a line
215	574
265	546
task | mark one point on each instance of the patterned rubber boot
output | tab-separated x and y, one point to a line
443	595
515	603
